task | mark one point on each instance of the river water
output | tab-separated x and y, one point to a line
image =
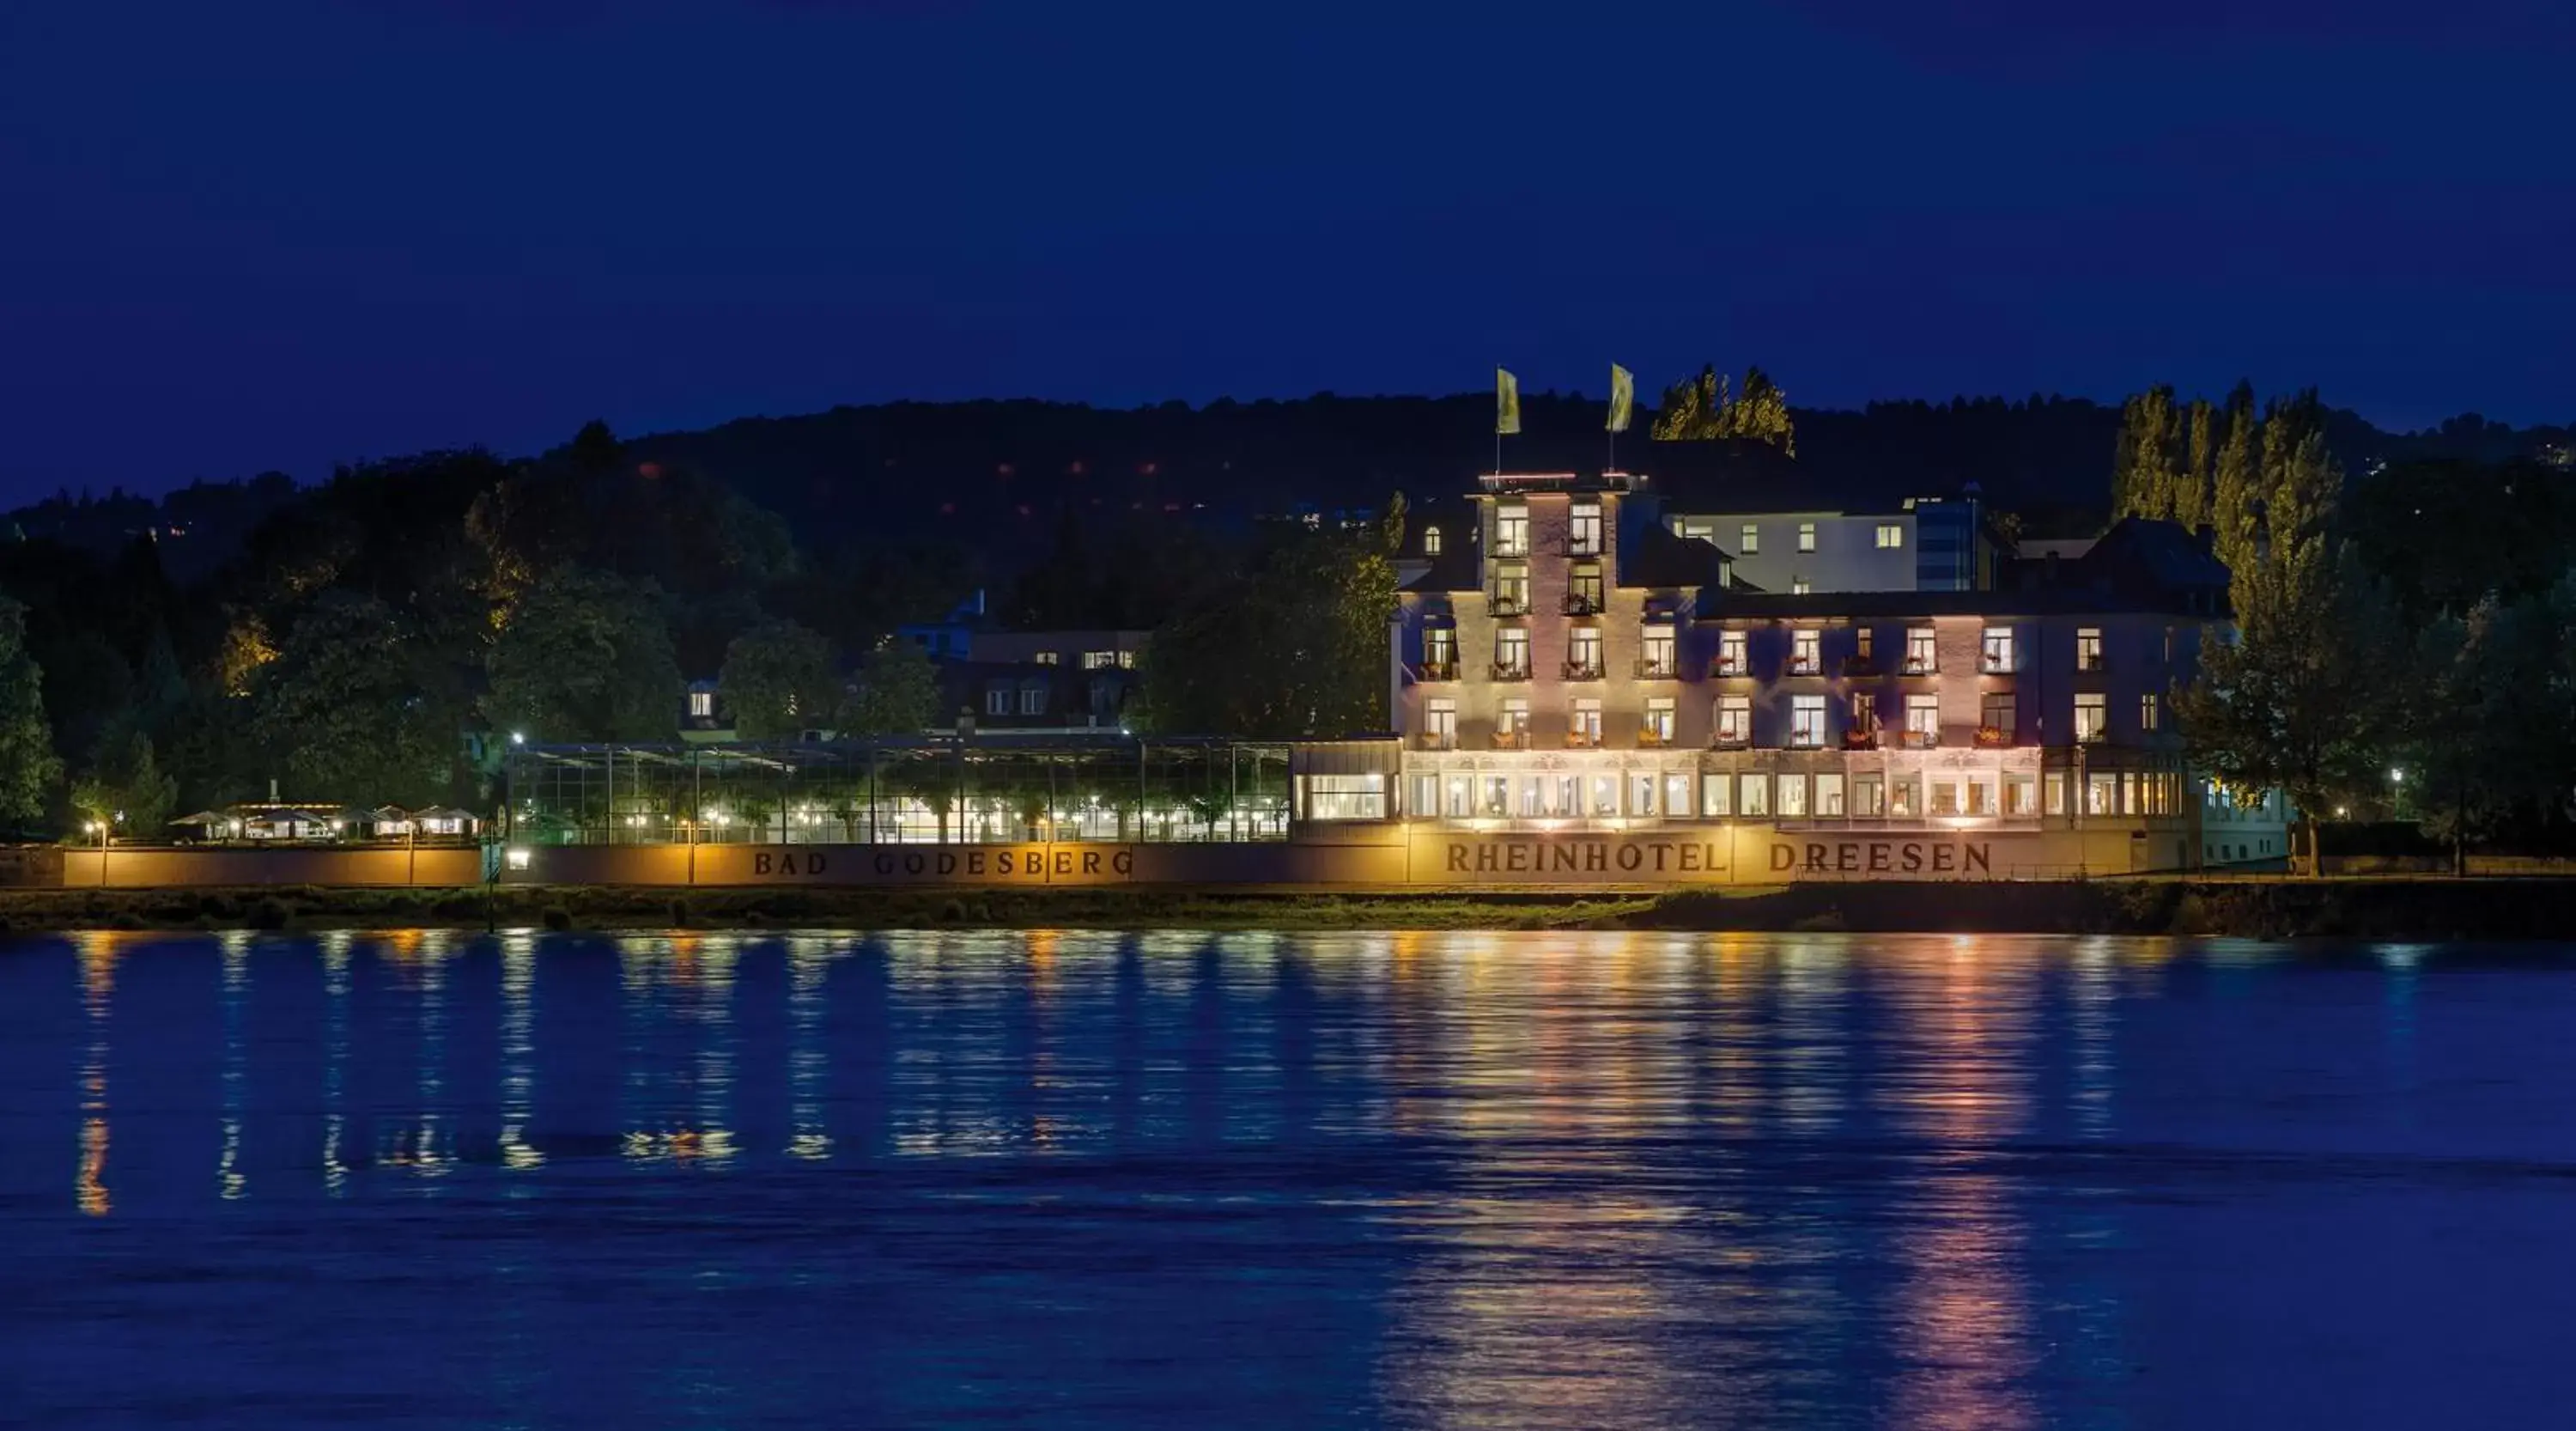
1188	1180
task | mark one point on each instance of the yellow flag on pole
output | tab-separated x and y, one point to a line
1507	402
1623	397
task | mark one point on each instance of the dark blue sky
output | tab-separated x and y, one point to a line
287	233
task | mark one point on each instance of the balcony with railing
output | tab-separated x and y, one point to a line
1803	666
1993	737
1500	602
1916	738
1860	668
1991	664
1582	603
2090	663
1860	737
1806	738
1657	668
1724	739
1583	670
1648	737
1919	666
1580	739
1511	671
1511	740
1727	666
1437	740
1445	669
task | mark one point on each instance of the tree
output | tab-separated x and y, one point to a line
127	788
2290	702
1296	648
777	679
2147	472
898	693
1699	410
29	768
355	708
585	657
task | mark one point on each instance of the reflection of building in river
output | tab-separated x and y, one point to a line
98	997
677	1103
1609	1247
1957	1087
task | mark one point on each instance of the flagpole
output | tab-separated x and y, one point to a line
1498	423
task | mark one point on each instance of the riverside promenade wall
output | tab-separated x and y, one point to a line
1676	856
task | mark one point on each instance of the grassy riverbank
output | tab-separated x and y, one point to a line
2374	908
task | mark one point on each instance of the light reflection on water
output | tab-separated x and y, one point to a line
1473	1180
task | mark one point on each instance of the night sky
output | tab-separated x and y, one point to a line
286	233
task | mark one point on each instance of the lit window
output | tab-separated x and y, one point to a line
1439	653
1922	719
1658	660
1806	537
1805	653
1511	654
1658	729
1583	590
1922	652
1997	717
2147	711
1513	719
1641	792
1048	658
1716	796
1891	536
997	700
1511	531
1033	700
1793	796
1869	796
1510	595
1603	795
702	703
2088	649
1583	654
1800	586
1126	660
1807	721
1999	649
1829	794
1583	531
1753	796
1751	542
1584	728
1095	660
1431	541
1346	797
1733	720
1440	724
1730	654
2092	720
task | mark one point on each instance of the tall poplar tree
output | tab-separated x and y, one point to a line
2289	701
29	768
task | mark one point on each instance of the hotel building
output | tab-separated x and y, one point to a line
1578	660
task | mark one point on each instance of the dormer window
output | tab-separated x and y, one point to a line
1431	541
1511	531
702	704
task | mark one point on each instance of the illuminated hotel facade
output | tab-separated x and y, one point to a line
1570	662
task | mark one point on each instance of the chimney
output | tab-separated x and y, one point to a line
2207	536
272	790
